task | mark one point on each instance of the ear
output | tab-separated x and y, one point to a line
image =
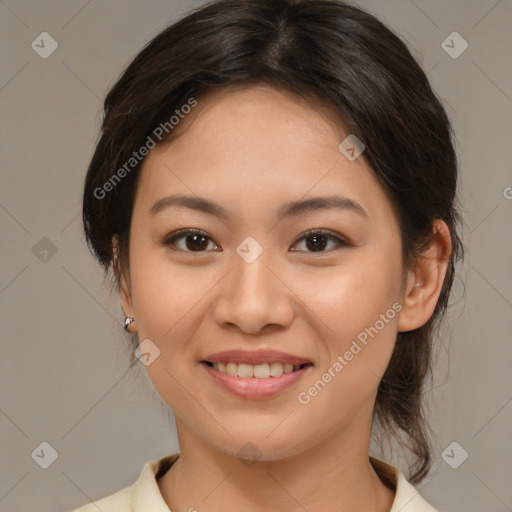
425	282
125	294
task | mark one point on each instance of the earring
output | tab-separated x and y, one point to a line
418	284
127	321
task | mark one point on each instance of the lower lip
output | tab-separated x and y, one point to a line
254	388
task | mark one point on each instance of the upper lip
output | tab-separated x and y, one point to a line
255	357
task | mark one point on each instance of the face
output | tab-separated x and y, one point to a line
256	279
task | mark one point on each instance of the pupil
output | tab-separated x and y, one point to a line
317	244
195	246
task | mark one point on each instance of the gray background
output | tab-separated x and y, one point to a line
64	377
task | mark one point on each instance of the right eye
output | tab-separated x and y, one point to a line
195	240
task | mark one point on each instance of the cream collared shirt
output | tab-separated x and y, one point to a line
144	495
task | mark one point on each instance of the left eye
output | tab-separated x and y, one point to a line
197	241
320	239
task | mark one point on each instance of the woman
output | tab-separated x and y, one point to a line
275	191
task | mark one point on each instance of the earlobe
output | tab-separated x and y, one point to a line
128	320
425	283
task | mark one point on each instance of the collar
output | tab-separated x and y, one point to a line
145	493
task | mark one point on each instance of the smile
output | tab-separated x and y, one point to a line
260	371
255	381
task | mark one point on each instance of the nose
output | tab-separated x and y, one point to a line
253	298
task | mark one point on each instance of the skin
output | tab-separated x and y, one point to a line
251	150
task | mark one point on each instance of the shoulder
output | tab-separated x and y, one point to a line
117	502
407	498
143	495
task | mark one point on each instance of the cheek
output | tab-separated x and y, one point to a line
162	293
166	306
351	297
356	348
357	313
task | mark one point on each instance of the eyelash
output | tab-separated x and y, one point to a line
183	233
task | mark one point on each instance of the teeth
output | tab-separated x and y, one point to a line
260	371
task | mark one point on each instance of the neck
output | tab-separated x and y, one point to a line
334	475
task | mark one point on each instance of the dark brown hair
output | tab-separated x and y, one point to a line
324	50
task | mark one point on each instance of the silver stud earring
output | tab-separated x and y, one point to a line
127	321
418	284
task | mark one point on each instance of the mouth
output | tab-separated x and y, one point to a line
253	382
258	371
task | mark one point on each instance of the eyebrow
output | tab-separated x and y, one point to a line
290	209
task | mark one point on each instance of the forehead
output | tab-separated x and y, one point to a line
255	146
